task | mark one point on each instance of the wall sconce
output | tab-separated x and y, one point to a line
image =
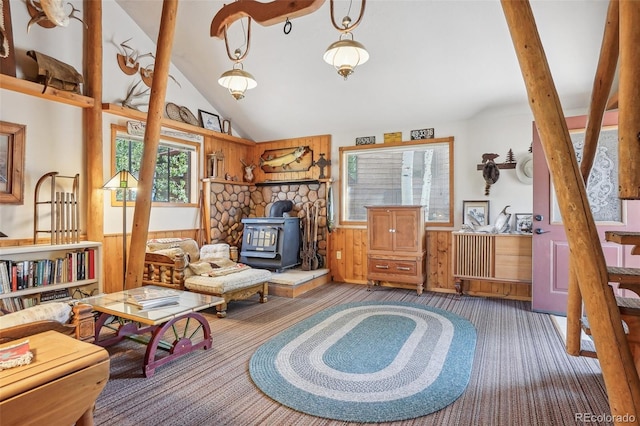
346	53
237	80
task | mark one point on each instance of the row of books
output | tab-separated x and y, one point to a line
13	304
18	275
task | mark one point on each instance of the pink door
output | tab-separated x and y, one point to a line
550	249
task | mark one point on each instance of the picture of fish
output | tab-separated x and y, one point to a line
287	160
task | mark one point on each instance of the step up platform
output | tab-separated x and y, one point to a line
294	282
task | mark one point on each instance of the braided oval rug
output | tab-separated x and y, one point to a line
368	362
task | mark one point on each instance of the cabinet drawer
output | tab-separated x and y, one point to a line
393	267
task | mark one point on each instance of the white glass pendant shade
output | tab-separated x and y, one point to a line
237	81
345	56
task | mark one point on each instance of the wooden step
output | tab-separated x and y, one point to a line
626	277
626	238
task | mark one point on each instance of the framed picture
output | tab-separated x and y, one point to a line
422	134
475	212
12	153
365	140
523	223
210	121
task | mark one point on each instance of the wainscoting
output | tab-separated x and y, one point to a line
351	267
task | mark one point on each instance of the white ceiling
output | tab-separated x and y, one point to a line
431	62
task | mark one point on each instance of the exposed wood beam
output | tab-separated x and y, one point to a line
618	369
629	108
605	73
142	211
264	14
93	120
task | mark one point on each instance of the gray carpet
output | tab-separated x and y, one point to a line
521	374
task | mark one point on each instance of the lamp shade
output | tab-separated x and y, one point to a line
237	81
345	55
122	179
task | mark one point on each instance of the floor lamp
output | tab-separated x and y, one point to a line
125	181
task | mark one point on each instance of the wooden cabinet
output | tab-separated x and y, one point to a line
396	247
36	260
492	257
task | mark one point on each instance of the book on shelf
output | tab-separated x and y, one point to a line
146	298
72	266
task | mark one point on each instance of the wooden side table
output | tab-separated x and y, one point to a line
62	382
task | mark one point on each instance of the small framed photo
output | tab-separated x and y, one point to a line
523	223
475	212
210	121
422	134
365	140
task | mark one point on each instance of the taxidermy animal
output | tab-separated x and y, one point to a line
284	160
248	171
491	174
51	11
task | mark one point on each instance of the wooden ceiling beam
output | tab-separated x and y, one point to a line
263	13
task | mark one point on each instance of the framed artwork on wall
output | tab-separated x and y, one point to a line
210	121
12	149
475	212
523	222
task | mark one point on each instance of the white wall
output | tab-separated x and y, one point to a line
54	139
491	131
54	131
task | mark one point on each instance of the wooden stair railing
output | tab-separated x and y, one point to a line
618	369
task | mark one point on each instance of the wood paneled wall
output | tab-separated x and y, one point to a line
320	144
351	267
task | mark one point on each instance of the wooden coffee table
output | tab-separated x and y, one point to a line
175	330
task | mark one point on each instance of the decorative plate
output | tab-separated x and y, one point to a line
187	116
173	111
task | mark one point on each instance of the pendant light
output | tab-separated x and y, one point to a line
346	53
237	80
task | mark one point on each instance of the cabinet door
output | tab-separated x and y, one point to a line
406	232
380	226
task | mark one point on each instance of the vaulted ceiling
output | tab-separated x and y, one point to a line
431	62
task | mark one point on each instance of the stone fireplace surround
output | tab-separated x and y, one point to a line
233	201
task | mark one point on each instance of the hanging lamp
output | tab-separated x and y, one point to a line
237	80
346	53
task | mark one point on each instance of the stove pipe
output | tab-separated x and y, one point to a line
280	207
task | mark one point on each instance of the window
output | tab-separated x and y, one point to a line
408	173
175	181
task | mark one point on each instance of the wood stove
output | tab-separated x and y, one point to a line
272	242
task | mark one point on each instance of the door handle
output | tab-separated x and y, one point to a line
541	231
538	217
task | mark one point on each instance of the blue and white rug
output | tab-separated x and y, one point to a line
368	362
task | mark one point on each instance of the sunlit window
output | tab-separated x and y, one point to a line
175	179
411	173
